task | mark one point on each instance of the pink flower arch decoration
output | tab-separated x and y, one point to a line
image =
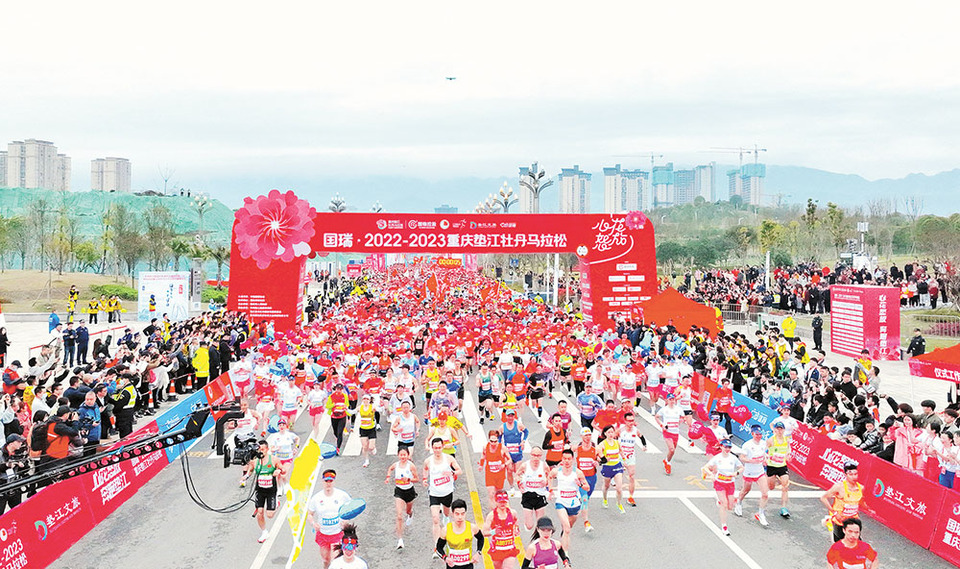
274	226
635	220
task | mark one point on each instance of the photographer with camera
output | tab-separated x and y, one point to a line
13	463
62	433
89	422
266	470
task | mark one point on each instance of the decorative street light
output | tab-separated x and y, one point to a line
533	181
505	199
202	204
377	207
337	204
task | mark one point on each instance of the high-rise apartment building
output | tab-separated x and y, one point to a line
110	174
662	181
684	186
625	190
705	182
574	190
3	167
36	164
747	182
525	196
446	208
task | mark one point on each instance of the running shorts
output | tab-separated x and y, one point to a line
533	501
444	501
266	499
405	494
777	471
611	470
727	488
369	433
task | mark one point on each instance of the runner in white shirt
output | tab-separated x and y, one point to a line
684	395
629	435
439	472
283	445
668	418
288	398
724	467
569	483
323	513
754	458
789	423
316	403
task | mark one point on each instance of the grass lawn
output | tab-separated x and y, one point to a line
26	291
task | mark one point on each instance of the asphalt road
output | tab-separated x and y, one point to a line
674	524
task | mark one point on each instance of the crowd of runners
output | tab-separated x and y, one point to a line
392	360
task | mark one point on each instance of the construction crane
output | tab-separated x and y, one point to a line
741	150
652	155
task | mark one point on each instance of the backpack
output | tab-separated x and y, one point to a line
38	439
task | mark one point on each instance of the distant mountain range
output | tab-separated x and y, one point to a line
792	184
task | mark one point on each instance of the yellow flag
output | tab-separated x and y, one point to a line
302	480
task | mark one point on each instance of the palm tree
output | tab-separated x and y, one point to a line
221	255
180	248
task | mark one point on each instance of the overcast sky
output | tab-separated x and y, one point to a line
347	89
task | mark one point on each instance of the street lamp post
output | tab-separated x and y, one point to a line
533	181
337	205
505	199
202	204
377	207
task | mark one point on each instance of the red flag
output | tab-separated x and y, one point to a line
432	284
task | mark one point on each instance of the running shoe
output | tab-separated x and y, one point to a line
263	536
632	502
436	554
620	507
400	543
605	503
725	530
666	466
692	444
760	517
374	451
738	508
587	527
366	463
785	513
408	521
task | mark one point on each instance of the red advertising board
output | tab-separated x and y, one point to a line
898	498
865	317
946	538
272	232
354	270
38	531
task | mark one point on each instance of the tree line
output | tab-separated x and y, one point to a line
47	236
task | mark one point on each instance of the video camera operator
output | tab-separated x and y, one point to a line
13	464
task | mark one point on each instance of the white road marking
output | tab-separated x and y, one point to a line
352	446
471	419
725	539
391	441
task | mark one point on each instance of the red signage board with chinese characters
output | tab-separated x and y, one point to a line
865	317
273	235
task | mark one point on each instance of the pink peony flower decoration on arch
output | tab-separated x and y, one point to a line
274	226
635	220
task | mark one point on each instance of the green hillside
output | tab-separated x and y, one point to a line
89	207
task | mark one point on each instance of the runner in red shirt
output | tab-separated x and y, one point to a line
606	417
724	399
850	552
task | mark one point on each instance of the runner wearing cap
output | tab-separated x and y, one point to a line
724	467
514	435
485	397
754	458
668	418
323	513
284	444
719	433
589	403
567	482
502	527
611	464
288	398
850	552
789	423
842	500
404	475
778	448
586	454
545	551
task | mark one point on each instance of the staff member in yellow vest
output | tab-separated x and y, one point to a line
201	364
117	308
93	309
843	499
109	308
124	402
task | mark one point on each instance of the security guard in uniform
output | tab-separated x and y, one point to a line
124	403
